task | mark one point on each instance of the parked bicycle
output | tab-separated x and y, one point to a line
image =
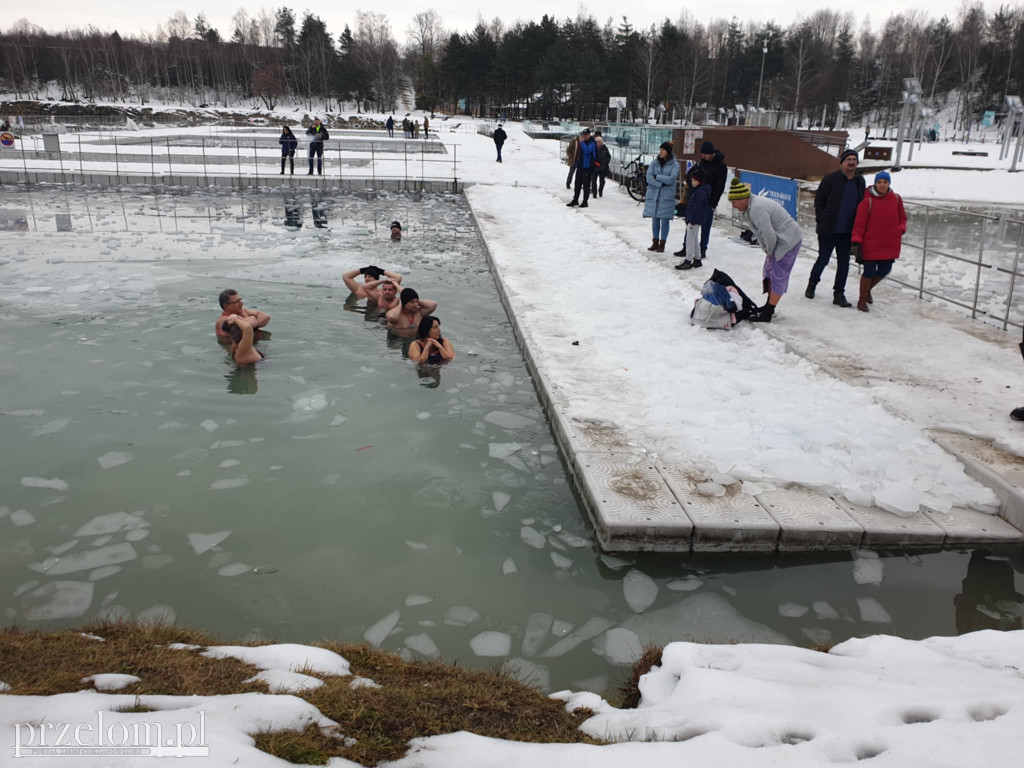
636	182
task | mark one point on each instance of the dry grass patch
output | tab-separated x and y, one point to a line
629	691
413	700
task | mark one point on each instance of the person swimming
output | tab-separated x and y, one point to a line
429	346
241	333
404	319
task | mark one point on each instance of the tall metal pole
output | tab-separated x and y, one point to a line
899	134
1016	149
764	53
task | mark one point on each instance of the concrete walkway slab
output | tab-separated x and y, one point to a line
987	463
810	521
966	527
885	530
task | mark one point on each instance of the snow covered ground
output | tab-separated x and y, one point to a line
938	702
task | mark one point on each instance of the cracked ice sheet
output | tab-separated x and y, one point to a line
786	422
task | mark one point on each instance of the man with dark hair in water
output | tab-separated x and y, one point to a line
373	278
231	304
405	318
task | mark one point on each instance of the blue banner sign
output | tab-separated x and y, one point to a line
783	191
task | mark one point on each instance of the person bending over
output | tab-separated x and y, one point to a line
231	306
241	335
429	346
405	319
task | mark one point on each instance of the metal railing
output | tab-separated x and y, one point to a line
249	160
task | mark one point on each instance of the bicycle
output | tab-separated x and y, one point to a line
636	184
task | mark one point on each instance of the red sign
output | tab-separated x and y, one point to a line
7	139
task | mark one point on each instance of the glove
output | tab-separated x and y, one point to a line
858	253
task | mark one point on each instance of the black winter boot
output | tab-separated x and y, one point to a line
282	165
809	293
695	264
762	314
839	299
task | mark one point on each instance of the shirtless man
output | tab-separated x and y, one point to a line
231	304
372	280
396	230
404	319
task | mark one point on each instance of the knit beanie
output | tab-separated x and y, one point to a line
738	190
847	153
707	148
883	175
668	146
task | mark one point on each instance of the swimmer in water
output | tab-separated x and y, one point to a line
372	278
241	332
396	230
231	306
429	346
404	319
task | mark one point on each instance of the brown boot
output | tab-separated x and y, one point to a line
661	247
865	294
654	244
874	281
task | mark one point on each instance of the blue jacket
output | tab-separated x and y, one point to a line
288	144
586	154
698	205
660	202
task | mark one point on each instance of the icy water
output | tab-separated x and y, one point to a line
335	491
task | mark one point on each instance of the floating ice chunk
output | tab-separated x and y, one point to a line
337	421
507	420
45	565
115	522
158	615
574	541
204	542
504	450
792	610
561	628
867	568
111	682
591	629
528	673
234	569
412	600
899	499
616	563
185	473
817	635
710	489
824	611
283	681
508	567
620	646
25	412
516	463
20	517
461	616
53	483
229	463
60	550
689	584
23	588
379	632
491	644
416	545
58	600
423	415
423	645
136	535
531	537
113	459
209	425
561	561
872	611
50	427
310	403
703	617
363	682
500	499
537	627
95	558
640	591
104	572
227	483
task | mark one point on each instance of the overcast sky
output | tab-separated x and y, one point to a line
131	17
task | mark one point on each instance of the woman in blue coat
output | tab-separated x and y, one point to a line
660	203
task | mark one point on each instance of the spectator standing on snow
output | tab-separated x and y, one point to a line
835	208
877	235
570	158
603	165
390	125
318	135
697	208
586	157
426	126
779	235
712	163
660	202
288	144
499	139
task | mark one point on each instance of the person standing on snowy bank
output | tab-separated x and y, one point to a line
603	164
586	158
697	209
288	144
318	135
781	238
570	158
390	125
499	139
835	207
878	235
660	202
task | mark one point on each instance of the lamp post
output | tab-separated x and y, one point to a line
764	53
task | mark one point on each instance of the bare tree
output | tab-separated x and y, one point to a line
647	65
377	53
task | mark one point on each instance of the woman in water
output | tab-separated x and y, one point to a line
428	346
240	331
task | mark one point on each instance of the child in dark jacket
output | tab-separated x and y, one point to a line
697	207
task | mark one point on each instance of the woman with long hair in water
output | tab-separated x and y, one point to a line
429	346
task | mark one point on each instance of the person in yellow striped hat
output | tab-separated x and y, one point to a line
779	235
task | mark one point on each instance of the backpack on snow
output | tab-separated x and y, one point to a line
718	306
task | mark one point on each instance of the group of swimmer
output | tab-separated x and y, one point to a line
406	314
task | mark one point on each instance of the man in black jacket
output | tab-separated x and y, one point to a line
712	164
835	208
499	139
318	135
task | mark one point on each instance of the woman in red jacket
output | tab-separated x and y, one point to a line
877	235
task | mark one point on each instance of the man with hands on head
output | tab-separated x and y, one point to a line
373	278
